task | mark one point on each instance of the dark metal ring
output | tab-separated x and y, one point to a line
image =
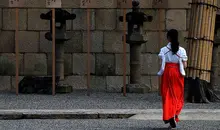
199	69
203	3
195	38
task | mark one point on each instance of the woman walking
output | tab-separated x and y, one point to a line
174	60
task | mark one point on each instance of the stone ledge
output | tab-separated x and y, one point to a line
61	114
137	88
5	83
145	114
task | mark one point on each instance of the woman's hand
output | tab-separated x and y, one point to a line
185	64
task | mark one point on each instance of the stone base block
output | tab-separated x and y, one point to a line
64	89
137	88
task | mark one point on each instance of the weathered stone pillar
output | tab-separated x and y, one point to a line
61	36
135	39
59	60
135	64
215	56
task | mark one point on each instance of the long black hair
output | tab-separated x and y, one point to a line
172	35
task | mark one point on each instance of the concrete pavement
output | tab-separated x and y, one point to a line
138	114
78	105
98	100
109	124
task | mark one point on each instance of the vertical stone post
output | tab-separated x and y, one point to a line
215	56
135	64
135	39
215	65
60	60
61	36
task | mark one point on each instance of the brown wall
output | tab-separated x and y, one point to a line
107	47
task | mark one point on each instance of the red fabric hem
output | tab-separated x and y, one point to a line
172	90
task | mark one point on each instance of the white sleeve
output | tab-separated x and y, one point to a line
161	54
184	55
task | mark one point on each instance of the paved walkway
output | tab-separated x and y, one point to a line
79	100
78	105
115	124
136	114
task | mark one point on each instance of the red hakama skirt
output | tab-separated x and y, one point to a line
172	91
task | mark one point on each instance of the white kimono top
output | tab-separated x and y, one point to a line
167	57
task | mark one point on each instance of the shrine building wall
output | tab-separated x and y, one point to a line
106	43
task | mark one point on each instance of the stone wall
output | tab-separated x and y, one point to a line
106	44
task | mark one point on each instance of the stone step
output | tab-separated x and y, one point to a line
136	114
